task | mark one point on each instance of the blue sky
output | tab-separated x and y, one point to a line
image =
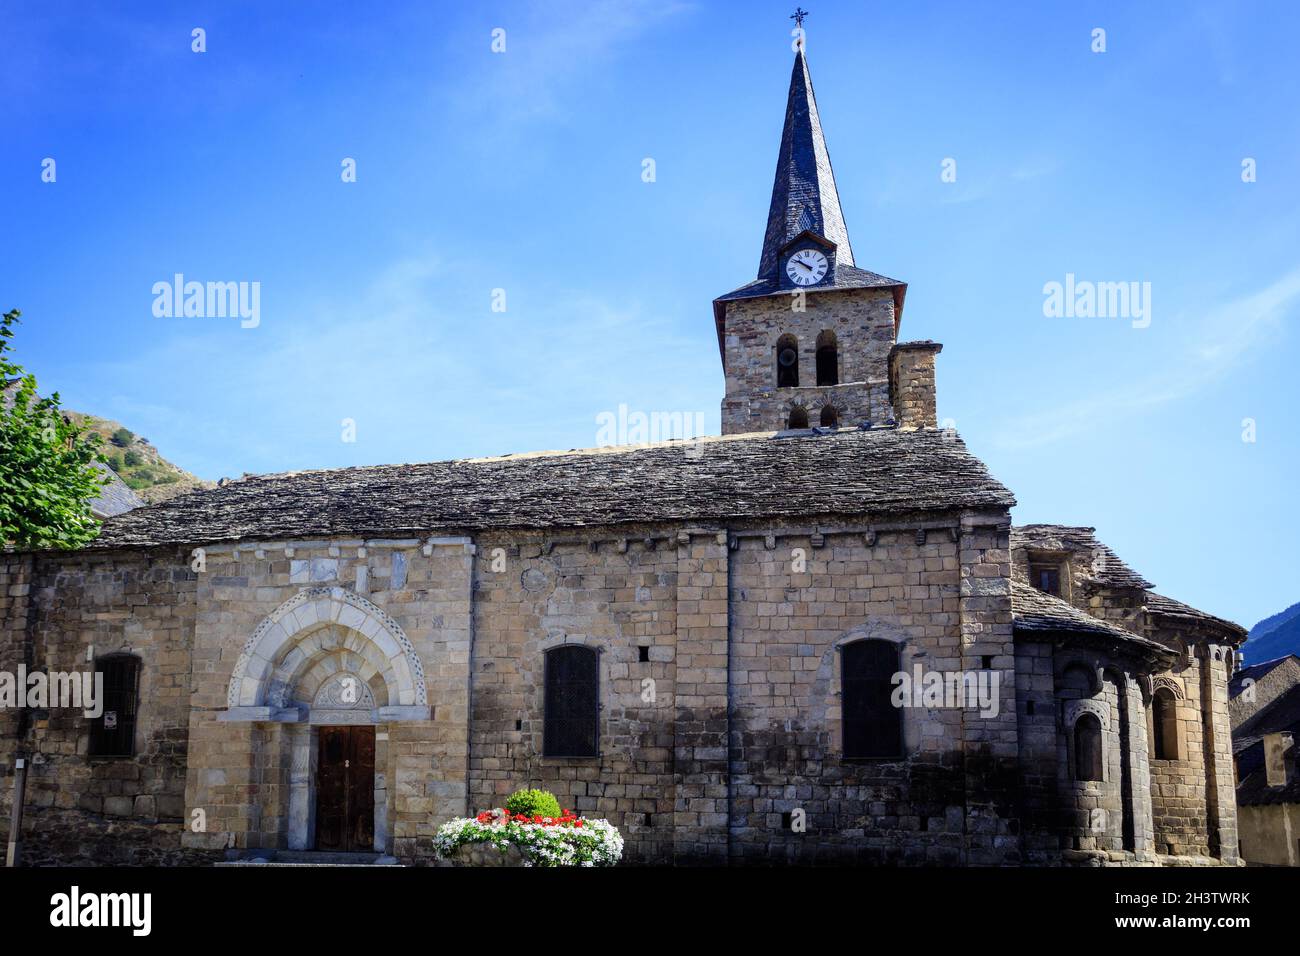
522	171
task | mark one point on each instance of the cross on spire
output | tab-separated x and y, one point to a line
797	17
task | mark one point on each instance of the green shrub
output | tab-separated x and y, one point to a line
532	803
115	462
132	458
122	437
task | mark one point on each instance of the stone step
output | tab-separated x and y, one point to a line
309	858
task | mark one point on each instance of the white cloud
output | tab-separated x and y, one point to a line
424	371
548	50
1225	338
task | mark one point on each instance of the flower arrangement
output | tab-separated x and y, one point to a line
564	840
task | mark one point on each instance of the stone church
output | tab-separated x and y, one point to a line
701	641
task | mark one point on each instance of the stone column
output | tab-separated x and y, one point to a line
302	780
1220	789
912	385
990	745
1140	809
702	730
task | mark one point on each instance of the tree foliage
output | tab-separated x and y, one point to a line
47	474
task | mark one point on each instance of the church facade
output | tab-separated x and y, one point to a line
815	638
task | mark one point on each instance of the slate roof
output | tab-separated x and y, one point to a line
1254	791
1256	671
845	277
1035	612
1107	569
1283	714
803	191
849	471
804	199
114	498
1167	607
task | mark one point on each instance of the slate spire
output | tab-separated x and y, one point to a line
803	194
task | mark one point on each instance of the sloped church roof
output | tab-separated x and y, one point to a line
713	479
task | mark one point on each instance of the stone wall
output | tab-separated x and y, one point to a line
990	745
617	596
118	810
15	604
863	323
251	778
795	602
720	709
912	384
1270	834
1094	822
1178	785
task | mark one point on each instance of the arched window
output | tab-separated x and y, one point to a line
828	359
787	362
1087	748
571	725
830	417
1076	682
798	417
1163	722
112	733
873	726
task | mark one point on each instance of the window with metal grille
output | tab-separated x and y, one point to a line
572	702
873	726
112	733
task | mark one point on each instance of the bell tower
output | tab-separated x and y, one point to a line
813	340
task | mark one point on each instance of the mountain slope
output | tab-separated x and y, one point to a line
1274	637
137	462
1269	623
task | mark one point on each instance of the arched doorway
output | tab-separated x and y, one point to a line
330	672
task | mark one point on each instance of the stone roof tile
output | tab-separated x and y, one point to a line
1162	606
1035	612
714	479
1107	569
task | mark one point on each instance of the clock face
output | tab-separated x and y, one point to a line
806	267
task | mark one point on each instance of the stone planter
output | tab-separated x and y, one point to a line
485	854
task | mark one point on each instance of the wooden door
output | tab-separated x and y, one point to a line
345	789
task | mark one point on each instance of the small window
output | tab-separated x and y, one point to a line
643	654
1163	723
112	733
1087	748
830	417
1046	577
873	726
572	702
798	417
787	362
828	361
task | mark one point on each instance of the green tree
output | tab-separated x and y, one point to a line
47	472
122	437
